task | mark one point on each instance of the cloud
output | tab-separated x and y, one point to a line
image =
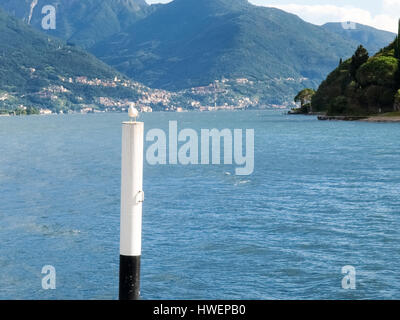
320	14
391	7
391	3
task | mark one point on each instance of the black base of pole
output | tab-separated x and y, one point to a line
129	278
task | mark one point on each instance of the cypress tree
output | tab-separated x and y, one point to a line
360	57
397	46
397	55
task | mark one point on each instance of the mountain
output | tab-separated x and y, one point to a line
372	39
38	71
223	53
191	43
82	22
233	49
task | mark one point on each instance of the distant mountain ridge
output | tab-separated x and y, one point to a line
82	22
372	39
213	51
38	71
189	43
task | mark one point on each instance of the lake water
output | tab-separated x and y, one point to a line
323	195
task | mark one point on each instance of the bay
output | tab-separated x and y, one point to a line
323	195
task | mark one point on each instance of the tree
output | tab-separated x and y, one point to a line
338	106
397	44
396	105
304	97
360	57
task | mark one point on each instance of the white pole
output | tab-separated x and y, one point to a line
132	197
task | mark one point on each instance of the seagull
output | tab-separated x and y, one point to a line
133	112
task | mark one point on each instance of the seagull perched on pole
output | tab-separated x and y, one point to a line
133	112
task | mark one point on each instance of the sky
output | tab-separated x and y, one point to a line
381	14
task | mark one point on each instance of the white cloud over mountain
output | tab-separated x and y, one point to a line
387	19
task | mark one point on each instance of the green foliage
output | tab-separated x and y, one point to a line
397	41
378	71
26	111
304	96
31	63
397	96
305	109
396	105
359	58
338	106
378	96
83	22
361	85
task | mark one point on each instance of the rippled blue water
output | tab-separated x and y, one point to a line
323	195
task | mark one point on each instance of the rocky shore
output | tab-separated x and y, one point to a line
384	119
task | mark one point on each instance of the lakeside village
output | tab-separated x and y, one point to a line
202	99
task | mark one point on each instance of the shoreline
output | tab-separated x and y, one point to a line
380	119
341	118
118	112
371	119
